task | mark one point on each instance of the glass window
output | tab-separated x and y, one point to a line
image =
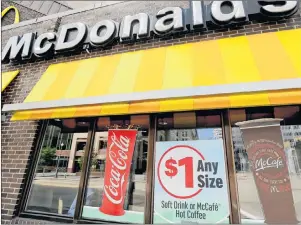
56	179
190	170
102	144
268	163
80	145
108	182
189	126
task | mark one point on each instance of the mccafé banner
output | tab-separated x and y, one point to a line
264	144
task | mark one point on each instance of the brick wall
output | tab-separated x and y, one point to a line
25	13
18	141
18	138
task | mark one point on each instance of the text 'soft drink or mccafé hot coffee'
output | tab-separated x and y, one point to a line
121	144
264	144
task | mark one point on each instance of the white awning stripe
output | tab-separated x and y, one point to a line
160	95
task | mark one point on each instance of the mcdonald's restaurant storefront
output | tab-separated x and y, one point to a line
195	124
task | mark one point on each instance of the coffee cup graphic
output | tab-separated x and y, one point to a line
264	145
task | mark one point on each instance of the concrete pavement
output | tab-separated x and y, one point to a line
66	189
47	192
73	181
248	196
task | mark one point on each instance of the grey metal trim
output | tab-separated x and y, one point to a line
160	94
272	125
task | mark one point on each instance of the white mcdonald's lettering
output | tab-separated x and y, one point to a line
104	32
17	15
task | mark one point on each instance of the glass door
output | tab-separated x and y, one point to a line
190	171
56	179
116	190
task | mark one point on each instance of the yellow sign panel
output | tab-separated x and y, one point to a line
17	15
7	77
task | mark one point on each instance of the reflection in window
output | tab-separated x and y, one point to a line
250	206
189	126
55	185
102	144
80	146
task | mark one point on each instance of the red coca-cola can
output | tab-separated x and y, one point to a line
121	145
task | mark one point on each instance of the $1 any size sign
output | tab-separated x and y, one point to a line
190	182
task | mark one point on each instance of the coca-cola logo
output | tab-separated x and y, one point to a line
118	157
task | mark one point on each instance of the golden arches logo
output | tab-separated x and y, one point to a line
17	15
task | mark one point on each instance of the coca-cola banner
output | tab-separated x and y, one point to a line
121	144
264	145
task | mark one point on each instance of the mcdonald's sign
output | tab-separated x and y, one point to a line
17	15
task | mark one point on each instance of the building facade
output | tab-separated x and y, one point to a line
189	78
28	10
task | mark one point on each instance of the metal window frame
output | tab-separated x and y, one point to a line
149	193
84	177
230	165
150	171
32	169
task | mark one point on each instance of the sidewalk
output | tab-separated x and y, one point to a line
248	196
93	182
249	202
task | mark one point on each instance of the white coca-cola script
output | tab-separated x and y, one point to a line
262	164
115	189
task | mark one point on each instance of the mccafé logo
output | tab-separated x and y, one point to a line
167	21
270	162
17	15
268	157
269	165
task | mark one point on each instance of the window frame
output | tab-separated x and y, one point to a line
149	192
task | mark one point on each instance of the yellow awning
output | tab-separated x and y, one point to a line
250	59
8	77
